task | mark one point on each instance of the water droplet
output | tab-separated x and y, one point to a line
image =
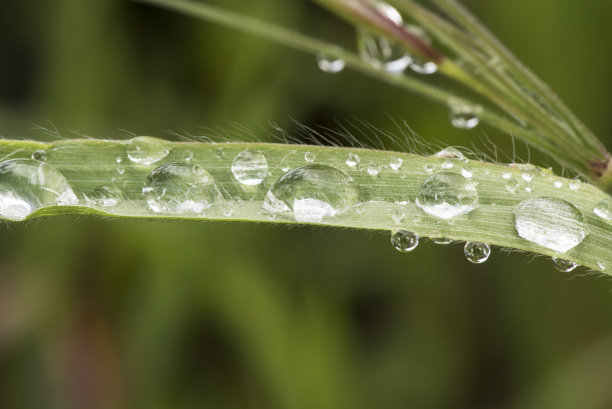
601	265
330	65
310	157
564	266
39	155
443	241
507	176
250	167
575	184
27	185
373	169
180	188
527	176
477	253
352	160
450	153
404	241
312	192
145	150
429	168
603	209
106	196
447	164
464	116
550	222
398	214
446	195
118	159
188	156
220	153
396	163
467	172
558	184
381	51
416	64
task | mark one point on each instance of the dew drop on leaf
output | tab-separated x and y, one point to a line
564	265
250	167
446	195
146	150
603	209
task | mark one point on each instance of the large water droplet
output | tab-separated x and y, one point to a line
250	167
404	241
550	222
603	209
330	65
312	192
477	253
464	116
446	195
27	185
450	153
106	196
145	150
180	188
381	51
564	265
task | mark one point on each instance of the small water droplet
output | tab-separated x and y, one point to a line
467	172
446	195
39	155
311	193
398	214
443	241
575	184
507	176
527	176
373	169
145	150
477	253
118	159
310	157
120	170
329	64
550	222
404	241
603	209
188	156
564	266
250	167
429	168
450	153
512	185
464	116
558	184
601	265
27	185
528	189
352	160
447	164
180	188
106	196
220	152
381	51
227	209
396	163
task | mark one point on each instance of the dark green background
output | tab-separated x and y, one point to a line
124	314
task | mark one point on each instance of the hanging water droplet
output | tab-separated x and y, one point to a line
603	209
330	65
396	163
467	172
178	188
446	195
450	153
27	185
373	169
381	51
311	193
145	150
464	116
443	241
310	157
550	222
564	266
39	155
404	241
106	196
477	253
416	64
250	167
352	160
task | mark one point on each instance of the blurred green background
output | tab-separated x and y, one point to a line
123	314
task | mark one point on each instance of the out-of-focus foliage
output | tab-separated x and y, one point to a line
113	314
